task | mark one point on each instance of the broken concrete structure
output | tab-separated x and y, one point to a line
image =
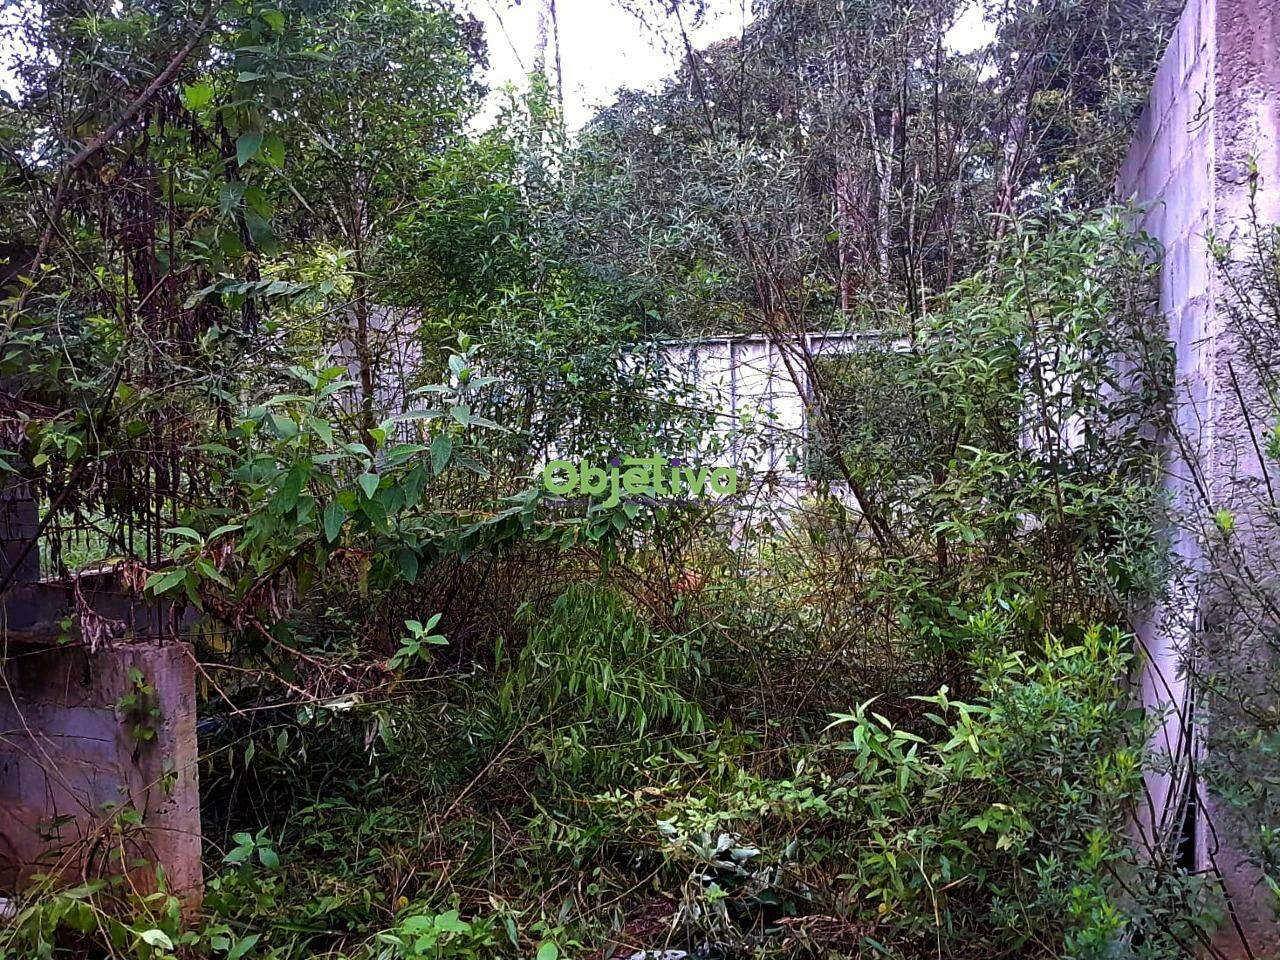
97	729
1205	160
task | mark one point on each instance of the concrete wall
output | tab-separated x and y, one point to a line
752	379
748	376
1213	113
71	761
1170	169
18	525
83	793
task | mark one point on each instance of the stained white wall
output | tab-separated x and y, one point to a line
1210	134
756	382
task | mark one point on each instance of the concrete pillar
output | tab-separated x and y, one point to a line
98	764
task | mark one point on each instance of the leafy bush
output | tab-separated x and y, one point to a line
991	826
597	688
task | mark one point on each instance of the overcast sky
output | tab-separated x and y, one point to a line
603	47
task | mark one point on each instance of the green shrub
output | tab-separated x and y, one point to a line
993	827
596	687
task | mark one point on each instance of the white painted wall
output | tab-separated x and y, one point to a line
748	379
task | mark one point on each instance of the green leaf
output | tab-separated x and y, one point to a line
294	482
402	452
165	580
323	429
197	95
1225	520
248	146
242	947
548	951
451	922
441	450
273	150
419	415
230	197
369	484
283	427
268	857
156	938
468	462
335	515
239	855
260	230
486	423
211	572
408	561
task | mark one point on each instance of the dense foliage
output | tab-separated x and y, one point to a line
288	339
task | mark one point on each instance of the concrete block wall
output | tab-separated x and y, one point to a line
1212	123
1169	170
70	762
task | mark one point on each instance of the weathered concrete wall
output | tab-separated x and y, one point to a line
1208	145
97	728
1170	169
18	524
72	759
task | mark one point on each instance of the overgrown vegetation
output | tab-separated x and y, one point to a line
288	340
